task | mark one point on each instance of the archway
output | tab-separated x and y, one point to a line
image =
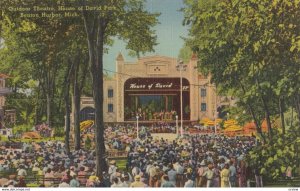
87	113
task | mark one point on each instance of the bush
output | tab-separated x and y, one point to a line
88	143
59	132
22	128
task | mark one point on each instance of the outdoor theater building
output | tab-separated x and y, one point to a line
150	88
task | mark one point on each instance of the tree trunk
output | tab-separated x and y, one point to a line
76	100
281	110
68	120
49	115
67	105
267	115
96	70
297	105
257	124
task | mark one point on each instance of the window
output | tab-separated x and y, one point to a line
110	107
110	93
203	92
203	106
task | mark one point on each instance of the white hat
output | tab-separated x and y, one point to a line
202	163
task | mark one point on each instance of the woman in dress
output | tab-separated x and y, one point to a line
225	173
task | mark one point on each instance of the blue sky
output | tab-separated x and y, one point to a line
168	32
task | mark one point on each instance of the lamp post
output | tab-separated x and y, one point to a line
177	133
181	67
137	127
216	115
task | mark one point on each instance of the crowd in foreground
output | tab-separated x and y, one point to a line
192	161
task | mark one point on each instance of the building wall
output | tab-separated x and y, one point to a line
2	101
109	100
156	67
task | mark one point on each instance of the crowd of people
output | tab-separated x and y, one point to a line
191	161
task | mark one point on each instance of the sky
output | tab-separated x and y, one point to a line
169	33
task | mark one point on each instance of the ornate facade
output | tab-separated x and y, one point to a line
150	88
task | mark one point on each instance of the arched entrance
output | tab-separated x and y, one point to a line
87	113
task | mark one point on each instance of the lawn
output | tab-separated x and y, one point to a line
121	164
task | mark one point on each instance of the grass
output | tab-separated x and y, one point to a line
121	164
32	185
5	139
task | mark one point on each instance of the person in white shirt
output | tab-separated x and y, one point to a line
22	171
112	170
64	184
209	175
116	183
135	171
179	169
189	183
153	175
125	181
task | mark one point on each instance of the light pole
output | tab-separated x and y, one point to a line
181	67
137	127
216	115
177	133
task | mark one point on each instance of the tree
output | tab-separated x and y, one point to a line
242	43
185	54
128	20
39	41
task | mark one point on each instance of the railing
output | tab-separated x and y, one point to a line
117	154
13	145
39	180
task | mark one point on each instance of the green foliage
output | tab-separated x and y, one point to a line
59	132
274	158
249	48
185	54
88	143
22	128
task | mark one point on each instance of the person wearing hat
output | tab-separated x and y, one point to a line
112	170
200	172
137	182
153	175
22	171
209	174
